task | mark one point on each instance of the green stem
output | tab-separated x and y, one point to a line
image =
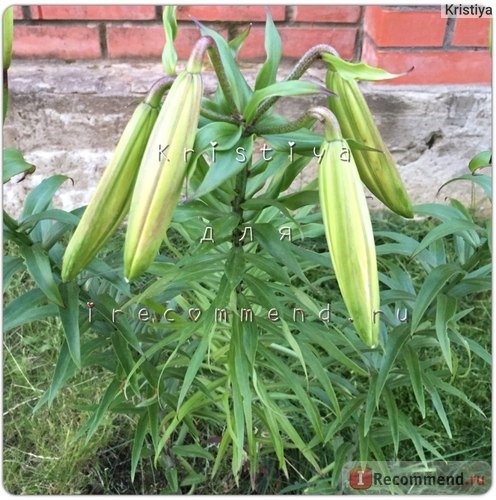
21	238
216	61
172	248
332	131
309	58
219	117
5	94
10	222
302	121
195	59
157	90
239	199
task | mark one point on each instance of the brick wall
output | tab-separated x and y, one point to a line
443	51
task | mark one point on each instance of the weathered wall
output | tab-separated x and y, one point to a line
67	118
443	50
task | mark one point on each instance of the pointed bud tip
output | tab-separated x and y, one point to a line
196	21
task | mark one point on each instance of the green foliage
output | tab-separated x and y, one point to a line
220	355
358	71
13	164
169	54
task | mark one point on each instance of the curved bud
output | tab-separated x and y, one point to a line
163	168
377	170
111	199
349	235
7	36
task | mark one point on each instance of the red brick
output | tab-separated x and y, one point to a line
471	32
58	42
432	67
148	41
369	52
18	12
411	28
243	13
297	40
326	14
94	12
135	41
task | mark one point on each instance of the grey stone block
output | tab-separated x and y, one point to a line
67	118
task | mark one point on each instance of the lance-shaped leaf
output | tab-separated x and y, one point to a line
169	54
273	48
281	89
359	71
14	164
39	268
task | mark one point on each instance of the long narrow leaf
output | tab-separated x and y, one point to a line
64	369
280	89
445	309
431	287
321	375
97	417
439	407
446	228
273	48
69	317
450	389
66	218
240	89
40	198
38	265
14	164
193	367
484	181
139	439
392	412
412	433
370	405
11	266
394	344
226	166
27	308
416	379
169	55
358	71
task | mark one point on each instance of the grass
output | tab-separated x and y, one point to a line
43	454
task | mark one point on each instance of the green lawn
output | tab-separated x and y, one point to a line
43	454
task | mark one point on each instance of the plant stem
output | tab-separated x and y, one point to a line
239	199
216	61
214	116
332	130
10	223
157	91
5	94
309	58
297	72
302	121
195	59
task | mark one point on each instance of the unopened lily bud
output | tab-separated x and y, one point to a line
112	197
348	230
7	36
377	170
164	167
